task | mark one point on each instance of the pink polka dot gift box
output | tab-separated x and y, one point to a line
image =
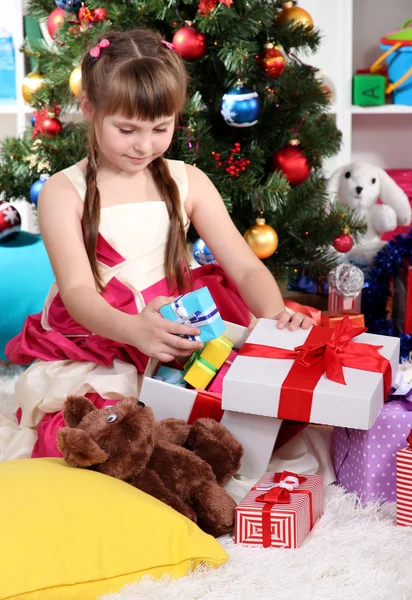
365	461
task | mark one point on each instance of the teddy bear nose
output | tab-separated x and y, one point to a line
359	189
140	403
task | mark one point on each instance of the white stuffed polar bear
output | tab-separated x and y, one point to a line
358	186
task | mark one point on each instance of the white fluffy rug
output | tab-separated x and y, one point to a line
354	552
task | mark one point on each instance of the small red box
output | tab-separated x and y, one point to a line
285	523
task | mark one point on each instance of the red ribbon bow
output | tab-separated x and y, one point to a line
279	491
324	351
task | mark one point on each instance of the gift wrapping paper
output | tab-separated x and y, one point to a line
287	525
404	487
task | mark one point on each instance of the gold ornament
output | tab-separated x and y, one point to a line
31	83
262	238
75	81
290	12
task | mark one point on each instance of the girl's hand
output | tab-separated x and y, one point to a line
285	319
158	337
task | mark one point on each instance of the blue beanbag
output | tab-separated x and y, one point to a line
25	278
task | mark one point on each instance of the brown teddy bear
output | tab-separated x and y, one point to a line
183	465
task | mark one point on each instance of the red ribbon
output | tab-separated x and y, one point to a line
206	404
314	313
279	495
324	351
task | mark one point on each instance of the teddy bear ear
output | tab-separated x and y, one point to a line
75	408
79	449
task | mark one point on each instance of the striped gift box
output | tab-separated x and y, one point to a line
404	487
338	303
289	523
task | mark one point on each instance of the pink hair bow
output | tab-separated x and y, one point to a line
95	52
168	44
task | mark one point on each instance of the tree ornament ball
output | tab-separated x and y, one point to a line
272	62
75	81
54	20
344	242
290	12
189	43
10	222
240	106
31	84
202	254
291	161
100	14
51	127
69	5
36	187
262	238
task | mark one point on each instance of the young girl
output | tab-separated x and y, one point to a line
114	226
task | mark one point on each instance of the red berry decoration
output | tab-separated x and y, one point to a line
291	161
235	165
343	242
189	43
272	62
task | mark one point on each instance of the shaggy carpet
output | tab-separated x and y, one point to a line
355	552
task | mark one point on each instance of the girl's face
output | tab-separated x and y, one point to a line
131	145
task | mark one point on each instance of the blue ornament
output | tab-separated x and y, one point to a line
33	121
69	5
202	254
36	187
240	107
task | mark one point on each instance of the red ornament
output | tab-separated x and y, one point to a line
343	242
10	221
99	14
46	122
51	127
85	15
291	161
189	43
54	20
207	6
272	62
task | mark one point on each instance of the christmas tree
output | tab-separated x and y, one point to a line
256	120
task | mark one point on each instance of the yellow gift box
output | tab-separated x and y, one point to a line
203	366
200	373
217	351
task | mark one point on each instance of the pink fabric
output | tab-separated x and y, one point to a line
34	342
403	177
46	445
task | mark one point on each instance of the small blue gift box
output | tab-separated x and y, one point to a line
196	308
169	375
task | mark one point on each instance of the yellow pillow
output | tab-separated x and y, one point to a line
72	534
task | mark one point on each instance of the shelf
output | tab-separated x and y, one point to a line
8	107
386	109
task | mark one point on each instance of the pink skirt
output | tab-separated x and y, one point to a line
34	342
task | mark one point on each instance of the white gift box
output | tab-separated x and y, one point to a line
253	385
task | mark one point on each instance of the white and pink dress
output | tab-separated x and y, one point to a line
68	359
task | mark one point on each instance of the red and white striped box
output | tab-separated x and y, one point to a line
404	487
338	303
279	525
